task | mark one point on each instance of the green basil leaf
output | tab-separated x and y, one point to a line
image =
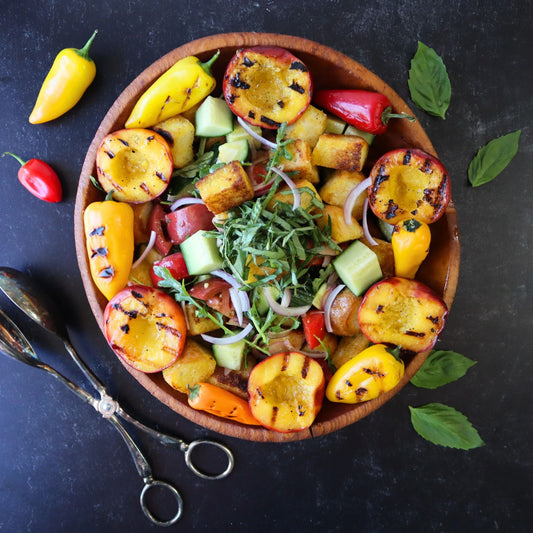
429	84
443	425
493	158
441	367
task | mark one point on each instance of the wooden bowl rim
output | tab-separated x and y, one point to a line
345	414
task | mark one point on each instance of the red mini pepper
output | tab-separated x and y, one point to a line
39	178
366	110
314	325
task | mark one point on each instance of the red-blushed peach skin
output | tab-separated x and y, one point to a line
329	69
139	313
290	86
402	312
409	183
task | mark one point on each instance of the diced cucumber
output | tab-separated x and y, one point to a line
386	229
317	300
334	125
358	267
229	355
233	151
239	133
352	130
213	118
261	303
201	254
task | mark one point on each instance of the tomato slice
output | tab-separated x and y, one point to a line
157	219
314	326
176	265
215	293
186	221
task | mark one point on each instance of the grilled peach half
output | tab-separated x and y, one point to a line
402	312
267	85
145	327
409	183
136	164
286	391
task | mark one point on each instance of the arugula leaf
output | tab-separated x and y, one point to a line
428	82
441	367
443	425
492	159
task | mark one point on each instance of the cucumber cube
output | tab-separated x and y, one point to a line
239	133
213	118
229	355
233	151
201	254
358	267
352	130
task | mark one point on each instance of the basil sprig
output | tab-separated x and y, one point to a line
492	159
436	422
441	367
443	425
429	83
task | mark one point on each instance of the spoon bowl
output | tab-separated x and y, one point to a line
24	292
14	343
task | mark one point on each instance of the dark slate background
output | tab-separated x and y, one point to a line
64	469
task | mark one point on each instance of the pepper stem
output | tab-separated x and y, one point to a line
84	52
395	352
387	115
22	163
208	64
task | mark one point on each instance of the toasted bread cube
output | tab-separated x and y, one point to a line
195	364
338	185
300	162
383	250
309	127
195	324
225	188
348	348
235	381
340	231
179	133
344	152
141	274
308	194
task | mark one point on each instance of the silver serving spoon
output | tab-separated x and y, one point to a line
29	297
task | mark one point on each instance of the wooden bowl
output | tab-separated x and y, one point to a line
330	69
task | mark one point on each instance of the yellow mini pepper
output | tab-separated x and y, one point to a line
71	73
410	244
372	372
180	88
110	245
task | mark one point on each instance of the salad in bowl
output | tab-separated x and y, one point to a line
266	236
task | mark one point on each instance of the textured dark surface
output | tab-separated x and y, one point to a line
64	469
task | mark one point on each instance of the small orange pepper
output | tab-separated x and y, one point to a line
410	244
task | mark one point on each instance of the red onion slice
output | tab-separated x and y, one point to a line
285	310
352	198
366	233
180	202
292	186
228	340
327	306
242	295
237	304
252	133
146	251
